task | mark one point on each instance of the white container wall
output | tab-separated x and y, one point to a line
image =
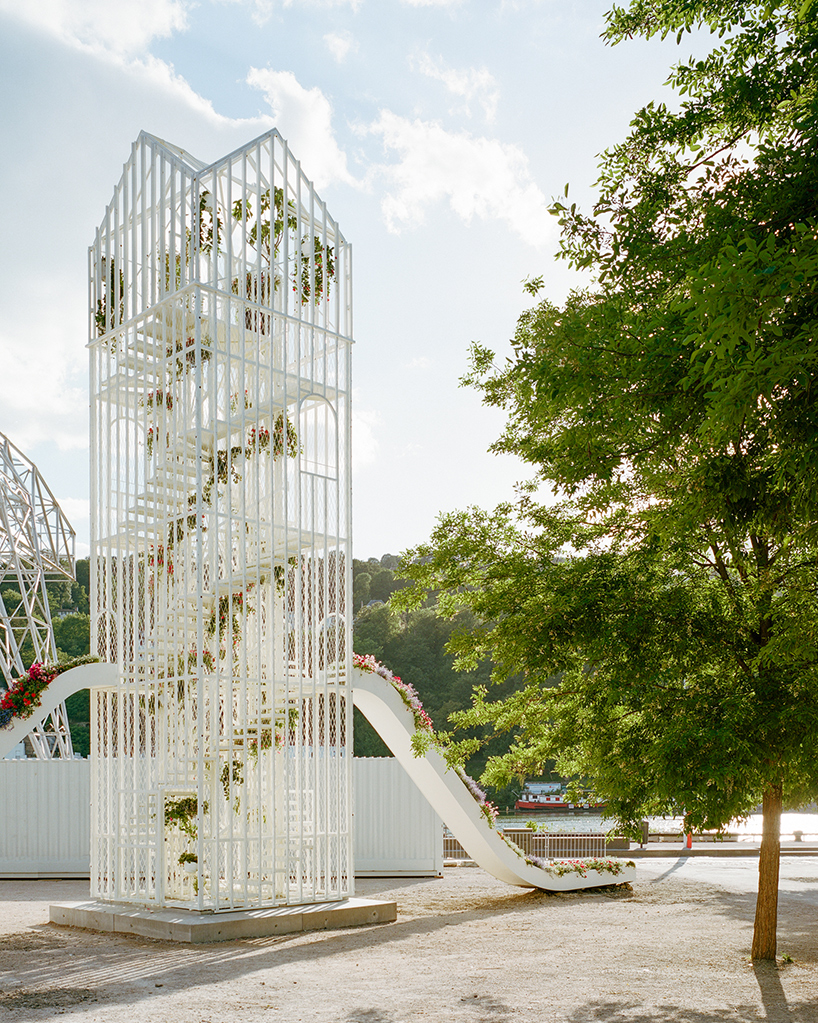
396	832
46	811
220	376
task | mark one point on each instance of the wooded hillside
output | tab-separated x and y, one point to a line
413	646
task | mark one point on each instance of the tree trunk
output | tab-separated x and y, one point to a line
764	931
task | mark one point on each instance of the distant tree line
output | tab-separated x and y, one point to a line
373	581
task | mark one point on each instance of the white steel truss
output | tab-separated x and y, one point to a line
36	544
221	321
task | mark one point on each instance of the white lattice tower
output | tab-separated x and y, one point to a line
220	378
36	544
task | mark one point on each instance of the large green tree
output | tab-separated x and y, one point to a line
672	409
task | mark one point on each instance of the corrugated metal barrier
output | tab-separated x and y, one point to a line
394	829
45	810
44	807
45	814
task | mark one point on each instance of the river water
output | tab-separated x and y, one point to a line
749	830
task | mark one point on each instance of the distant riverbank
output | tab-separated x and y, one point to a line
807	823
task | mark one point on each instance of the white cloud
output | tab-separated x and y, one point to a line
119	32
159	76
419	362
304	118
119	26
77	510
340	44
53	407
263	9
480	177
432	3
472	84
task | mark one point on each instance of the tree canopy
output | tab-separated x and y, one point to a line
671	408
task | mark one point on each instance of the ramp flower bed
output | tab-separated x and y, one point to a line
26	694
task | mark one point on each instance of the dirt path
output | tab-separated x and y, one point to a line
464	948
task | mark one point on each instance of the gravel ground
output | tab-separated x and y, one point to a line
674	949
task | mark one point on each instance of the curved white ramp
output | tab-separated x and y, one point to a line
84	676
378	700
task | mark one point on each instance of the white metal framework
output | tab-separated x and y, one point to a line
36	544
221	319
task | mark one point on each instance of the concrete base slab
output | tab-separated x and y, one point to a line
198	928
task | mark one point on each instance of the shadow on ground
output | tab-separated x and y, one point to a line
774	1011
56	968
48	960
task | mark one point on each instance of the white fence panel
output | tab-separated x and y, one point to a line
546	846
46	818
45	814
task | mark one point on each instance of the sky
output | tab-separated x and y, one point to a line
437	131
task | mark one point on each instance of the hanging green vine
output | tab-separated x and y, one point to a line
231	777
106	316
183	814
315	262
230	607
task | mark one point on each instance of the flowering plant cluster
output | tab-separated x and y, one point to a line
410	697
149	440
208	660
267	226
235	398
182	813
558	868
231	606
185	352
488	810
258	440
423	723
477	793
407	692
265	737
26	694
366	662
157	398
264	740
160	558
280	443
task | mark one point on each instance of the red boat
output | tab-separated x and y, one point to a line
549	797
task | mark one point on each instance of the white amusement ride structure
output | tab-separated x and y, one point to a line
36	544
220	378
